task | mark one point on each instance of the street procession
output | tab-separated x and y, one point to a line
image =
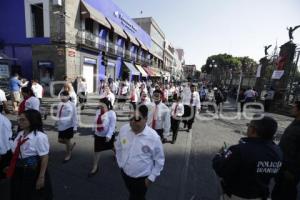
153	103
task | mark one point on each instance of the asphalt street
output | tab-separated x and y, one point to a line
187	174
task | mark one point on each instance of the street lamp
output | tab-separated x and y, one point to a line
212	65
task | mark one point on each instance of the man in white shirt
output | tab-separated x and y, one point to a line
3	102
37	90
249	95
159	116
191	102
139	154
177	111
5	144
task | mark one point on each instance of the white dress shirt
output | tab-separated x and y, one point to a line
68	117
196	100
32	103
109	120
111	97
179	110
82	87
249	94
186	96
139	155
5	135
37	90
36	145
163	120
2	96
72	95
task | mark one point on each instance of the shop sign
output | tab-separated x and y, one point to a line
4	71
90	61
277	74
47	64
71	53
125	22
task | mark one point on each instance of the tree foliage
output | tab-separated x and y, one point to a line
225	62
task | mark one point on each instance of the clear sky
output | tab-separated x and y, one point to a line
206	27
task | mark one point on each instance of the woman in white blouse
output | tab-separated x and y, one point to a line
104	127
28	167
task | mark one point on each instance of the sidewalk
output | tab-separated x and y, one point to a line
240	121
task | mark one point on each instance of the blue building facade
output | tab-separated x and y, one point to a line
101	39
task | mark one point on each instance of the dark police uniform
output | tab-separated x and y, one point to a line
289	177
247	168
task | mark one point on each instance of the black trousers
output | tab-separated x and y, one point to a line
4	162
285	188
136	187
174	127
133	105
160	132
189	115
267	105
23	185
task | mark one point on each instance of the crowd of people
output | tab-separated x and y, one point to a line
156	111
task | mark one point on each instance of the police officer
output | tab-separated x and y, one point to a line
246	169
289	176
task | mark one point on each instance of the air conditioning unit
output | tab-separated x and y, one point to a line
57	2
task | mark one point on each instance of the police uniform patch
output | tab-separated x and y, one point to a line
145	149
227	154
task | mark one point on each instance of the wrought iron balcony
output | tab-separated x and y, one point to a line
91	40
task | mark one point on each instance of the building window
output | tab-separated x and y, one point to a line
89	25
111	36
37	20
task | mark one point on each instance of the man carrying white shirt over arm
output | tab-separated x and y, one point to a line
139	154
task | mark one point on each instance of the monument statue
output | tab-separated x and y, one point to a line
291	30
266	49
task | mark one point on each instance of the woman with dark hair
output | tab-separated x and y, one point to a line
28	167
104	127
29	100
66	123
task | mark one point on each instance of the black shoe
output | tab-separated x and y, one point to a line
91	174
82	108
45	116
184	126
173	141
188	130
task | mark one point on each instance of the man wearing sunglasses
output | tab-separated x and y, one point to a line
139	154
159	116
246	169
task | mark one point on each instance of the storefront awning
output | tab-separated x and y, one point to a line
156	71
132	69
117	29
149	71
5	57
94	14
142	44
131	38
140	68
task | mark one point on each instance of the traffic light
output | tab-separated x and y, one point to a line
104	59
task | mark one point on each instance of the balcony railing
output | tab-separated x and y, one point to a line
91	40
